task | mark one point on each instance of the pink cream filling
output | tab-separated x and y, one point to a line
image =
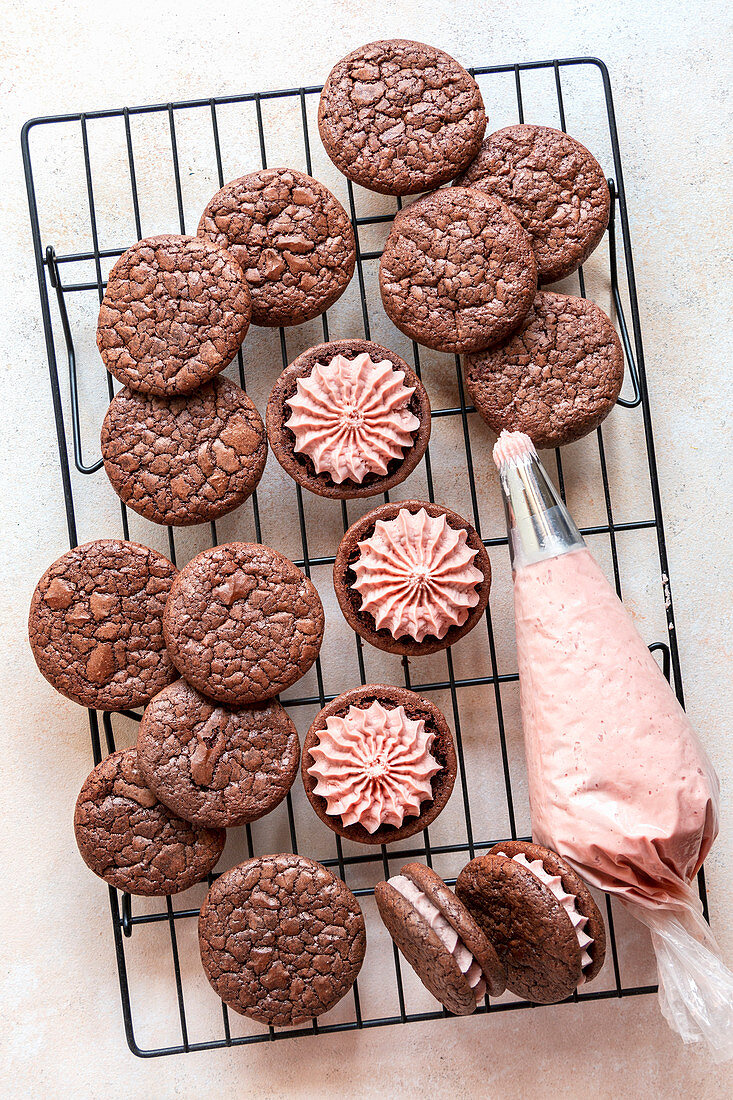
351	417
416	576
569	903
374	766
445	932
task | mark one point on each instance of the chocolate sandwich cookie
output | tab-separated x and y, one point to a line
540	917
554	186
131	840
348	419
242	623
213	765
412	577
184	460
174	313
378	764
292	237
282	940
457	272
96	624
556	379
400	117
439	938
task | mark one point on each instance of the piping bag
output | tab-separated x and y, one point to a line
619	783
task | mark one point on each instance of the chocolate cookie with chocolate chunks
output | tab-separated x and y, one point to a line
292	237
457	272
553	185
184	460
439	938
213	765
242	623
96	624
412	577
282	939
400	117
174	314
557	379
540	917
378	764
131	840
348	419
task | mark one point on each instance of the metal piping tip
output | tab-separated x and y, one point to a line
539	525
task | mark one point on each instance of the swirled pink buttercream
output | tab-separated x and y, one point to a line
416	576
374	766
351	417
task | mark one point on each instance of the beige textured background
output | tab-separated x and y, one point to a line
62	1032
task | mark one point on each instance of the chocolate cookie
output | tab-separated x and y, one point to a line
541	918
357	426
291	236
95	624
212	765
400	117
412	577
174	313
457	272
439	938
282	939
131	840
184	460
391	762
242	623
553	185
556	379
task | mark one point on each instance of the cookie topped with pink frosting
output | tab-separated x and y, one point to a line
348	418
378	763
540	917
439	938
412	577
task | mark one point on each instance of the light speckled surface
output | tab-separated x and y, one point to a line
63	1032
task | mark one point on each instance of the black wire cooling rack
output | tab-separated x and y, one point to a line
86	267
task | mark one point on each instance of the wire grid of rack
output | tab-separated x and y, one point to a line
52	284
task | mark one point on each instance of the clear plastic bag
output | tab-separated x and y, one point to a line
695	986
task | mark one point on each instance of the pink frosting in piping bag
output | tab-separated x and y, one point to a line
374	766
416	576
619	783
350	417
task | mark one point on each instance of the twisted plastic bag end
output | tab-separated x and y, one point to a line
695	986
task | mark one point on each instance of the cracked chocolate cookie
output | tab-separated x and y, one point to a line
378	764
293	239
213	765
412	577
556	379
242	623
348	419
457	272
554	186
540	917
400	117
96	624
439	938
174	314
184	460
131	840
282	939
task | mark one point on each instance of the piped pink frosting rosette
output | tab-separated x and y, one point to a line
351	417
374	766
416	576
